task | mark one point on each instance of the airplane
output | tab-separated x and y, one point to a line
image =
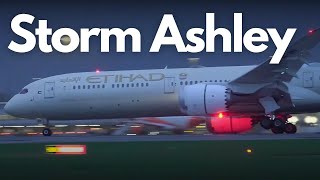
239	95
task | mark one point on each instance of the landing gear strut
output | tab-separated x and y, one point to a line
279	124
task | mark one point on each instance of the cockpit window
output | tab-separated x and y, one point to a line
24	91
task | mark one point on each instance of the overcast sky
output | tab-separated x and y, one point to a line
18	69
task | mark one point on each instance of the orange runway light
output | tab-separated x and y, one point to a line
220	115
66	149
249	151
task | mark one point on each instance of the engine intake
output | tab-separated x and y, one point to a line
203	99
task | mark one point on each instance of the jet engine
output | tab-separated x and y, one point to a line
229	125
203	99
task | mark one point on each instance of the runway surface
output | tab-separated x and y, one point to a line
90	138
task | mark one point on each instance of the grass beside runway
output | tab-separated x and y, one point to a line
277	159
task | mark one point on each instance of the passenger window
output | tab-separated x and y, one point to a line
147	84
88	86
128	85
220	80
98	86
196	82
186	83
181	83
103	86
210	80
24	91
191	82
112	85
93	86
122	85
200	81
118	85
83	87
79	87
137	84
142	84
132	85
74	87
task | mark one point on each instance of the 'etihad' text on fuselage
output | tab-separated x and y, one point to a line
125	78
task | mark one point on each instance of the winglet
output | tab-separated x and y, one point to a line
307	42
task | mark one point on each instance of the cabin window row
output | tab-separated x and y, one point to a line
196	82
113	86
89	86
130	85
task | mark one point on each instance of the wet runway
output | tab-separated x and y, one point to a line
90	138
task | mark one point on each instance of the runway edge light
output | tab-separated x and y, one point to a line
66	149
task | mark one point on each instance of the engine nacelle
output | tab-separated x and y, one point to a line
229	125
203	99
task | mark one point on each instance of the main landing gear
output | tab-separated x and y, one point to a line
278	124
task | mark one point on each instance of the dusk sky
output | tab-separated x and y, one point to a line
18	69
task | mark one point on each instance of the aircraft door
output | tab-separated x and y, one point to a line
308	79
169	85
49	90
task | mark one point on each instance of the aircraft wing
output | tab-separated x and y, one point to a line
290	63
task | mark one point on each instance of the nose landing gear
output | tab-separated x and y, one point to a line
47	132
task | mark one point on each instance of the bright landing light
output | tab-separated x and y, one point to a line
310	119
293	119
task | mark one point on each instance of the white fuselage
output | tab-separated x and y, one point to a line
116	94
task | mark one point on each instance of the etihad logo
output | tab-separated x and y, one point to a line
125	78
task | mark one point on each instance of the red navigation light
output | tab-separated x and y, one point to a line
220	115
97	71
311	31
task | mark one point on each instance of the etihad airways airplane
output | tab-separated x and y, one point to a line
239	95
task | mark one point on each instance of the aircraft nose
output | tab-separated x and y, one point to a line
11	107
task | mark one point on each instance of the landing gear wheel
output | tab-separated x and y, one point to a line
47	132
290	128
279	123
277	130
266	123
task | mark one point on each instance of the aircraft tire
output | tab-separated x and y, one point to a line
266	123
46	132
277	130
279	123
290	128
